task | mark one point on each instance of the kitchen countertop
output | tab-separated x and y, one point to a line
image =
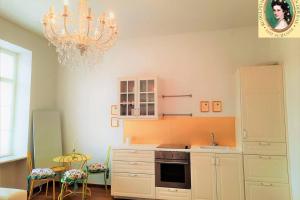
194	148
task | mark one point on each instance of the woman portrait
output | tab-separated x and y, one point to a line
279	14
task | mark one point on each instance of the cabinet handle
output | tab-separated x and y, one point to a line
245	133
264	143
133	175
217	161
172	190
265	157
213	161
132	163
266	184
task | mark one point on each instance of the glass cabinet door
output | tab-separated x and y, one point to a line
147	97
127	97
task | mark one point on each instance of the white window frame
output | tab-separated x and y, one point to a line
14	83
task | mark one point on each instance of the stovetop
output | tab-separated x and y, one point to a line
174	146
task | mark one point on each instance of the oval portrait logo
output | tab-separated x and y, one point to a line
277	17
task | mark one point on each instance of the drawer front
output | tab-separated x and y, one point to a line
133	185
266	191
133	155
173	193
265	148
266	168
133	167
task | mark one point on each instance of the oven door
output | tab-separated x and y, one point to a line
172	174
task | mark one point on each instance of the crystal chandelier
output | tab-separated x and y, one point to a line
80	42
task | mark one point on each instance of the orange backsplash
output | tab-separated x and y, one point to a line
181	130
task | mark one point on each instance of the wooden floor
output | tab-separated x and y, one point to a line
98	193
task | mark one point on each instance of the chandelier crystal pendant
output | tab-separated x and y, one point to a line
81	43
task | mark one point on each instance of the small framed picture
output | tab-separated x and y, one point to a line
114	110
114	122
204	106
217	106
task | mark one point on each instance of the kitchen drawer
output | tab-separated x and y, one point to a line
133	155
173	193
266	191
266	168
264	148
133	167
133	185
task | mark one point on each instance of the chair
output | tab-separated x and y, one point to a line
40	176
74	176
99	168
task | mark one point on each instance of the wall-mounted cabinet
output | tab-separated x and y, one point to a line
138	98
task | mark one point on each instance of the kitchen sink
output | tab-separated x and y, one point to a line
214	147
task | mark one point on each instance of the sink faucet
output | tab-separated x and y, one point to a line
213	142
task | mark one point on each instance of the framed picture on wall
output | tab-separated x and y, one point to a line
217	106
114	110
114	122
204	106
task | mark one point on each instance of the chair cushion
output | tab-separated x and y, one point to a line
74	175
42	173
95	167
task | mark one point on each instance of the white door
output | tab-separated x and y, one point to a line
203	176
147	97
262	104
127	98
230	183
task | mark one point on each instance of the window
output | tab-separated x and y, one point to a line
8	82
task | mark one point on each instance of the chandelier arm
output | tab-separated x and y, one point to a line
101	33
108	40
52	30
65	26
88	28
47	35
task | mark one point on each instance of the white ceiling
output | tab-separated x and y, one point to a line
145	17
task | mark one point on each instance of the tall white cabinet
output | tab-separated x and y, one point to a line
263	133
138	97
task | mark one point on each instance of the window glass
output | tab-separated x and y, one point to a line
7	65
6	90
7	99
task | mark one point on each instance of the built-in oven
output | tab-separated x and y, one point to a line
172	169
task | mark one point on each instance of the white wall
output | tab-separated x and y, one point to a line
43	88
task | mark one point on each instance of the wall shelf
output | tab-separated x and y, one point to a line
183	95
177	114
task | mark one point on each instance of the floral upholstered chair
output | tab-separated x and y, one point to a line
39	175
101	168
74	177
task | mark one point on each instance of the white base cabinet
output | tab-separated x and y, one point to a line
266	191
217	176
133	185
203	176
266	168
172	194
133	174
230	182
